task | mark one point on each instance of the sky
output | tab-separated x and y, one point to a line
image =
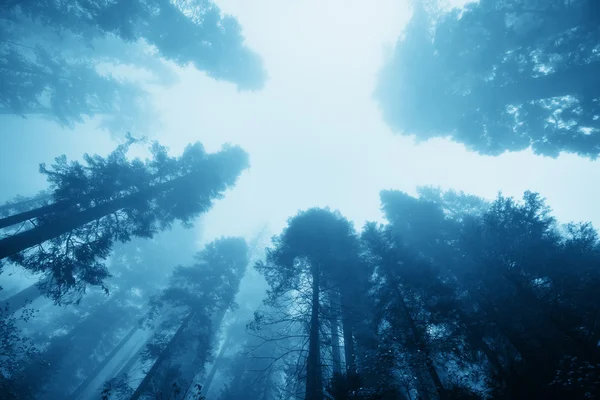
314	133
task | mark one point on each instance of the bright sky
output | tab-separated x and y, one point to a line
314	133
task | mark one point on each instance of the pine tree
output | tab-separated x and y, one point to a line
111	200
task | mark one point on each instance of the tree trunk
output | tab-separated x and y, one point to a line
348	331
236	382
143	386
35	213
19	300
189	376
314	386
216	365
83	385
16	243
476	339
25	204
418	339
423	348
125	366
479	344
504	329
335	345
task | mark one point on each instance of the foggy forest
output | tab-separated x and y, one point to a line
299	199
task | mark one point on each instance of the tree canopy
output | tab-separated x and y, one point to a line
498	76
54	56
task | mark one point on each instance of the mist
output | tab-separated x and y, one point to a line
299	199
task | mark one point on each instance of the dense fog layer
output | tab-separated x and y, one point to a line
299	200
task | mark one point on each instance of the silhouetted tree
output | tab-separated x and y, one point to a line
113	199
315	254
192	304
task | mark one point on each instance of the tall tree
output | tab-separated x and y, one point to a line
113	199
499	76
193	305
309	256
515	282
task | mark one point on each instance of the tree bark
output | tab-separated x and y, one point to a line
476	340
217	321
334	315
216	365
479	344
348	331
143	386
314	386
441	391
16	243
416	336
24	204
125	366
35	213
335	345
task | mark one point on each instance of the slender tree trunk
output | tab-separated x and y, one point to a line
334	314
126	366
423	348
16	243
35	213
504	329
236	382
143	386
64	351
479	344
19	300
25	204
314	386
335	345
348	330
83	386
217	322
476	339
216	365
418	339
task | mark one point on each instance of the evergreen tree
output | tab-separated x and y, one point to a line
112	199
191	309
308	265
498	76
52	54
